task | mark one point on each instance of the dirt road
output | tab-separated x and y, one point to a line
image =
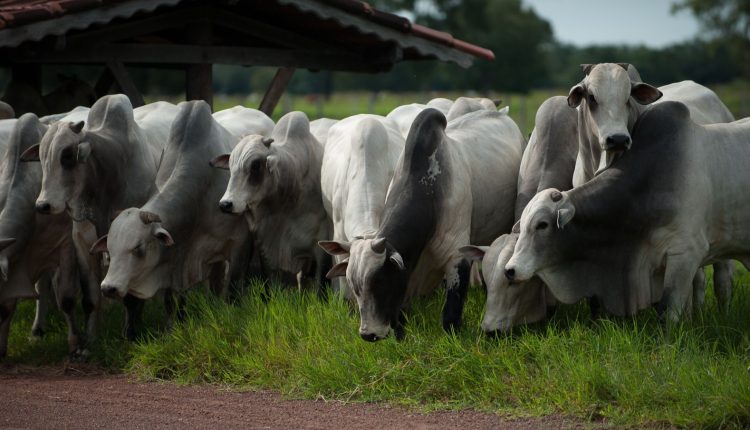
87	398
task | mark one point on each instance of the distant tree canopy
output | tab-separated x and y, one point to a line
527	54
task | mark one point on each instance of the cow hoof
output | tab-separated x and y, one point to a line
452	326
80	355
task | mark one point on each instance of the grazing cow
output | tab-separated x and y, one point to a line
445	193
144	257
633	235
609	100
6	111
33	246
95	171
319	129
358	165
239	120
464	105
548	162
275	183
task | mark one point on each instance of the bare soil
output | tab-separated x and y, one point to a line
84	397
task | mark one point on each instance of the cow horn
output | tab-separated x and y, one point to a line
76	127
148	217
267	141
556	196
587	68
378	245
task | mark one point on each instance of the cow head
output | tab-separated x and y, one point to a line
254	173
542	219
63	153
507	305
606	96
377	276
135	244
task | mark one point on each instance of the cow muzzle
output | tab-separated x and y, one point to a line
617	142
112	291
226	206
43	207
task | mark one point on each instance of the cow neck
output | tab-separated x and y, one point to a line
110	172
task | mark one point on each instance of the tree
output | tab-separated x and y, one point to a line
728	21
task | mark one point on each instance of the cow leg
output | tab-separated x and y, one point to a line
216	278
456	286
44	292
66	293
678	285
699	289
90	275
169	308
134	312
723	283
7	309
239	269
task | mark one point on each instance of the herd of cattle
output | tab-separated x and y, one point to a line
623	193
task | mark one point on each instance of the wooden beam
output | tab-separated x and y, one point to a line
104	83
122	78
199	77
276	90
191	54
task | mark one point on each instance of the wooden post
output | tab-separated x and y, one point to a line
199	77
126	84
276	89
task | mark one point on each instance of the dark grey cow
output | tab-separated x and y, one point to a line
441	196
32	246
548	162
609	100
633	235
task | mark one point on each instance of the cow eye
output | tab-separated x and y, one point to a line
592	99
256	171
138	251
542	225
68	158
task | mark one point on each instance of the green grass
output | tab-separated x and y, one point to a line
623	370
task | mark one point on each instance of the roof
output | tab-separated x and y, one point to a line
337	22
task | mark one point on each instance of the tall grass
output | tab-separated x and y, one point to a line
626	371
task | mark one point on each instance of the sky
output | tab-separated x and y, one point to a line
633	22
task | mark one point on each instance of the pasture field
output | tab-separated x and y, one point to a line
627	372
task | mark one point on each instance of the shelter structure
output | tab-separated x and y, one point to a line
337	35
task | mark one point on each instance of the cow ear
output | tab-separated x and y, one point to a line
587	68
473	252
220	162
164	237
624	65
564	216
397	260
645	94
335	248
84	150
99	246
31	153
272	163
575	96
516	227
338	270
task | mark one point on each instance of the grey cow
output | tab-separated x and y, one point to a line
548	162
34	246
633	235
609	100
275	183
179	235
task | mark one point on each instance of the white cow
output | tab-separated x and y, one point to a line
239	120
358	164
319	129
442	196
